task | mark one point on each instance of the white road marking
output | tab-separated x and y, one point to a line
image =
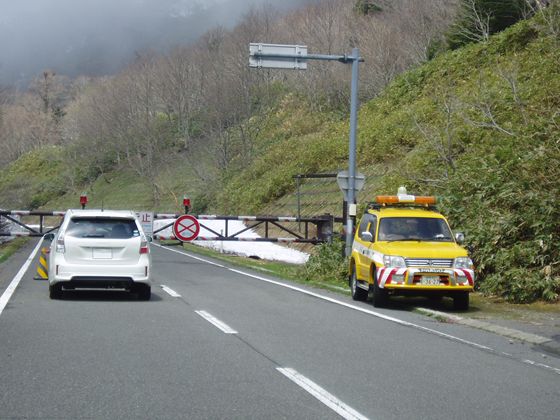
530	362
366	311
190	255
347	305
216	322
487	326
15	282
170	291
321	394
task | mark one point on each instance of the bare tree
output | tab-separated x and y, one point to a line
442	137
480	110
179	91
509	75
549	11
474	23
201	100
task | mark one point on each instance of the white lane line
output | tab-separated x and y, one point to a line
366	311
190	255
14	284
169	291
347	305
487	326
216	322
321	394
553	369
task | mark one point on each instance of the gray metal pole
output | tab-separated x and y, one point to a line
298	204
355	59
352	149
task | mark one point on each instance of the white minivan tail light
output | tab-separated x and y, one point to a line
60	247
144	249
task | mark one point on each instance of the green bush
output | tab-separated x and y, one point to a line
367	7
519	285
327	264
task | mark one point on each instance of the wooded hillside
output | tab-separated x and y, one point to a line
197	100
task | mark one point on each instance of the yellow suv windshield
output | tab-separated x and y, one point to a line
413	229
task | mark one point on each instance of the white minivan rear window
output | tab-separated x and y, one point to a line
102	227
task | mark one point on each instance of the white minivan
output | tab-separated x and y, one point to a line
100	249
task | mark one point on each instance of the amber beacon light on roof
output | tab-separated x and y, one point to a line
403	198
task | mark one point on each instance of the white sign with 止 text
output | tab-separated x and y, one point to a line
147	222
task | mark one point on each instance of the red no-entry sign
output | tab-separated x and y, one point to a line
186	228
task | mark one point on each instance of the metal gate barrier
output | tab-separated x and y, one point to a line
12	216
322	232
316	230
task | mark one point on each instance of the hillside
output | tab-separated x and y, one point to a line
479	127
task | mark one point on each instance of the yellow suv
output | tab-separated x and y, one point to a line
404	246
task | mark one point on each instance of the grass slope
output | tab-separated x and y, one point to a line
33	180
479	127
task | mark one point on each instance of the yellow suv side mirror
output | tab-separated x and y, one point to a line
367	236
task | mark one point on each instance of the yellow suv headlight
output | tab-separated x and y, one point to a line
463	262
393	261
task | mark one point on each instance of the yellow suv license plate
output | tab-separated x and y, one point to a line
430	280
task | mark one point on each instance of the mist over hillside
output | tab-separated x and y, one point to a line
98	37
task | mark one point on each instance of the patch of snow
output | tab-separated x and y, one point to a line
9	226
264	250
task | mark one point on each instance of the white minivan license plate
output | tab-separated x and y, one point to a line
430	280
102	253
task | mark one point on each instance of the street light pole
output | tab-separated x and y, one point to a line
352	151
295	57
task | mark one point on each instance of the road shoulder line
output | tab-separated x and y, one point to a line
5	298
344	304
482	325
486	326
374	313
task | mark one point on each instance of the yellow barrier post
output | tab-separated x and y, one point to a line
43	267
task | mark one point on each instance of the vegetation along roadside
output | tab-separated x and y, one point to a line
7	249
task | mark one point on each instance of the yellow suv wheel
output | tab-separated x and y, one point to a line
357	292
380	296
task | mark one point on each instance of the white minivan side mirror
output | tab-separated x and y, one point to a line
48	236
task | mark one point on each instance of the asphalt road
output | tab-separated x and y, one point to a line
221	342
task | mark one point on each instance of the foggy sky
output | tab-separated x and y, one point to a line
96	37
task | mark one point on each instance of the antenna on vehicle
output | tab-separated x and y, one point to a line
101	205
